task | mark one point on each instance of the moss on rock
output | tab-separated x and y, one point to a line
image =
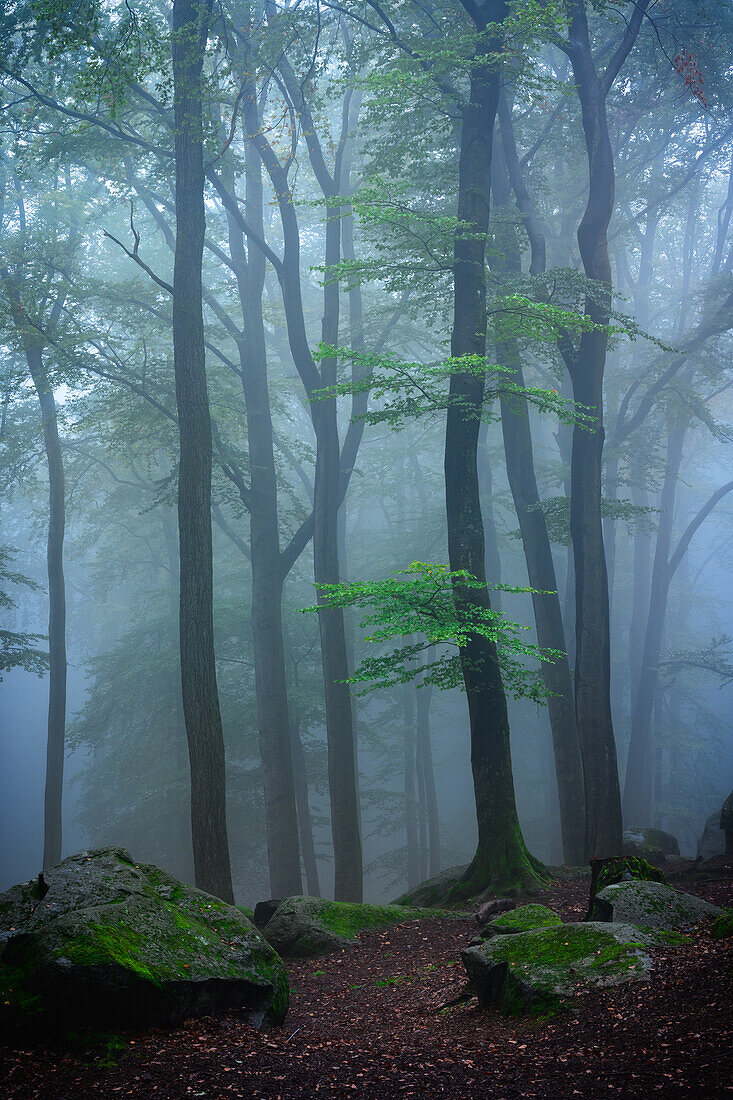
303	926
115	943
651	904
723	927
533	972
523	919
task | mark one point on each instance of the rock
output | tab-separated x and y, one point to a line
264	911
491	909
726	823
533	972
606	871
712	841
653	845
723	925
100	940
304	927
523	919
433	891
651	905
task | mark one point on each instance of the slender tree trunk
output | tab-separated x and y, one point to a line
425	765
52	826
305	821
586	367
501	860
409	785
274	726
638	784
640	600
327	498
198	668
182	825
517	433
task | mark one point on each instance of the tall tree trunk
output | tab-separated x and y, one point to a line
52	825
305	821
501	860
425	766
409	785
637	786
517	434
327	498
198	669
586	366
274	725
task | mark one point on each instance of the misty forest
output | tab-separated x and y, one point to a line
366	411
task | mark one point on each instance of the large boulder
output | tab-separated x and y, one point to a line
654	845
304	927
103	941
434	890
651	904
712	841
533	972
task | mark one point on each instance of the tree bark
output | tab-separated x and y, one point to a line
198	669
517	435
52	823
409	785
501	860
425	766
586	368
273	722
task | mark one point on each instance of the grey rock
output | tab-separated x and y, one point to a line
712	841
651	905
100	940
531	973
433	890
654	845
303	927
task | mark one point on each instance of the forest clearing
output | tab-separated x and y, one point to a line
369	1021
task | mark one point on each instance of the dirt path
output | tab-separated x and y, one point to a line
364	1023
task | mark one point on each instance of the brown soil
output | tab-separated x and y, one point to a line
368	1022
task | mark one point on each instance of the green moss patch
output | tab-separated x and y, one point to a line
303	926
534	972
523	919
723	925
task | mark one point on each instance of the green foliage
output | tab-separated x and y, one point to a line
422	606
18	650
408	390
556	511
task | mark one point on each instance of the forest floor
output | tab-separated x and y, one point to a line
368	1023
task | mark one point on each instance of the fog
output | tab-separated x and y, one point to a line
346	403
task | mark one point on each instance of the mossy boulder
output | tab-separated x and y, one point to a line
434	890
523	919
102	941
609	870
534	972
304	927
653	845
723	926
651	904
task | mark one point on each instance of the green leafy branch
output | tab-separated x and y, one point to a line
417	604
408	390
